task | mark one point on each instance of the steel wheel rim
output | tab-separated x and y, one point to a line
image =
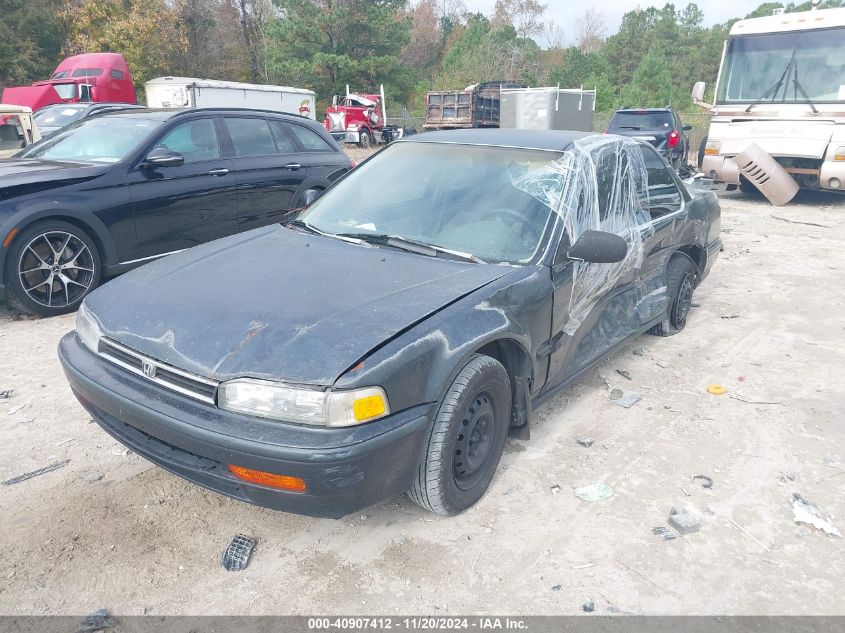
56	269
684	302
474	441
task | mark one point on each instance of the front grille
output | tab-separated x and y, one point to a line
177	380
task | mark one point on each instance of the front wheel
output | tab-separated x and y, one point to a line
466	440
364	140
50	268
681	280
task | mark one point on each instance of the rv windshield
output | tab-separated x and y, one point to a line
763	67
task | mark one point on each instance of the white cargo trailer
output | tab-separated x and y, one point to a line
550	108
189	92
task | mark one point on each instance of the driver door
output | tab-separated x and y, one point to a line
182	206
595	305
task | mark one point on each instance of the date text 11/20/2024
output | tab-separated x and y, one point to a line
418	623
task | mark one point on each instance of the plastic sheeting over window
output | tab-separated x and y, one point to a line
600	184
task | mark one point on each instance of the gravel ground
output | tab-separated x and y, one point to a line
110	530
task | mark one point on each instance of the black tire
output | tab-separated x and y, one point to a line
746	187
39	283
472	421
364	139
681	280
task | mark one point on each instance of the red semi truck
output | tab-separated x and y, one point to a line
360	119
102	77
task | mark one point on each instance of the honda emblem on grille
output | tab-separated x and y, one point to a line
149	369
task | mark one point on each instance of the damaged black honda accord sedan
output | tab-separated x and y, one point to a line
390	337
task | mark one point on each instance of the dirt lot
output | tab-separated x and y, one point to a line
768	326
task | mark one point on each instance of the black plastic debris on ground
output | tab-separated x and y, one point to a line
236	556
96	621
35	473
706	482
5	394
663	531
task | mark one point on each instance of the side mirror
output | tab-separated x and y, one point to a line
698	91
687	127
163	157
310	196
598	247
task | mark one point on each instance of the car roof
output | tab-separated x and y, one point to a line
165	114
550	140
642	110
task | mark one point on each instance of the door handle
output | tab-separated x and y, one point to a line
293	166
218	172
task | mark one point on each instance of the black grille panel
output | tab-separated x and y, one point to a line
180	381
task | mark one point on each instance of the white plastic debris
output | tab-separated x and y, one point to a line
625	399
594	492
809	513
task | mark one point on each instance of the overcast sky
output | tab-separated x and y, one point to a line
566	14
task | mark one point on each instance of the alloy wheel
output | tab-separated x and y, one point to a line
56	269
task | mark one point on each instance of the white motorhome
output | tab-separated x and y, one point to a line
781	93
189	92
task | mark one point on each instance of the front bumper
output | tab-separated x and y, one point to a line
724	169
345	470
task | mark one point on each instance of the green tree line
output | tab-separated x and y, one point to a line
409	46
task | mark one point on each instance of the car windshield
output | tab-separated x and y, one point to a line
99	140
58	116
640	121
66	91
766	66
466	198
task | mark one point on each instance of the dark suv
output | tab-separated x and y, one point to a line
661	127
113	191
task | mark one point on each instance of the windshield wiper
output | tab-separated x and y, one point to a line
413	246
773	90
302	224
797	86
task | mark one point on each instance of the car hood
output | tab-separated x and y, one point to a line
278	304
23	171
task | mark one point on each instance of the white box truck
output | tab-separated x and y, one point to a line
190	92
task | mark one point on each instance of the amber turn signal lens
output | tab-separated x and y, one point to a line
368	407
271	480
10	237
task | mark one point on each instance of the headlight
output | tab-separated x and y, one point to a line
839	154
712	148
307	406
87	329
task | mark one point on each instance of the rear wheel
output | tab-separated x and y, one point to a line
50	268
681	280
466	440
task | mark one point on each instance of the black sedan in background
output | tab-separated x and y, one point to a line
52	118
113	191
382	344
